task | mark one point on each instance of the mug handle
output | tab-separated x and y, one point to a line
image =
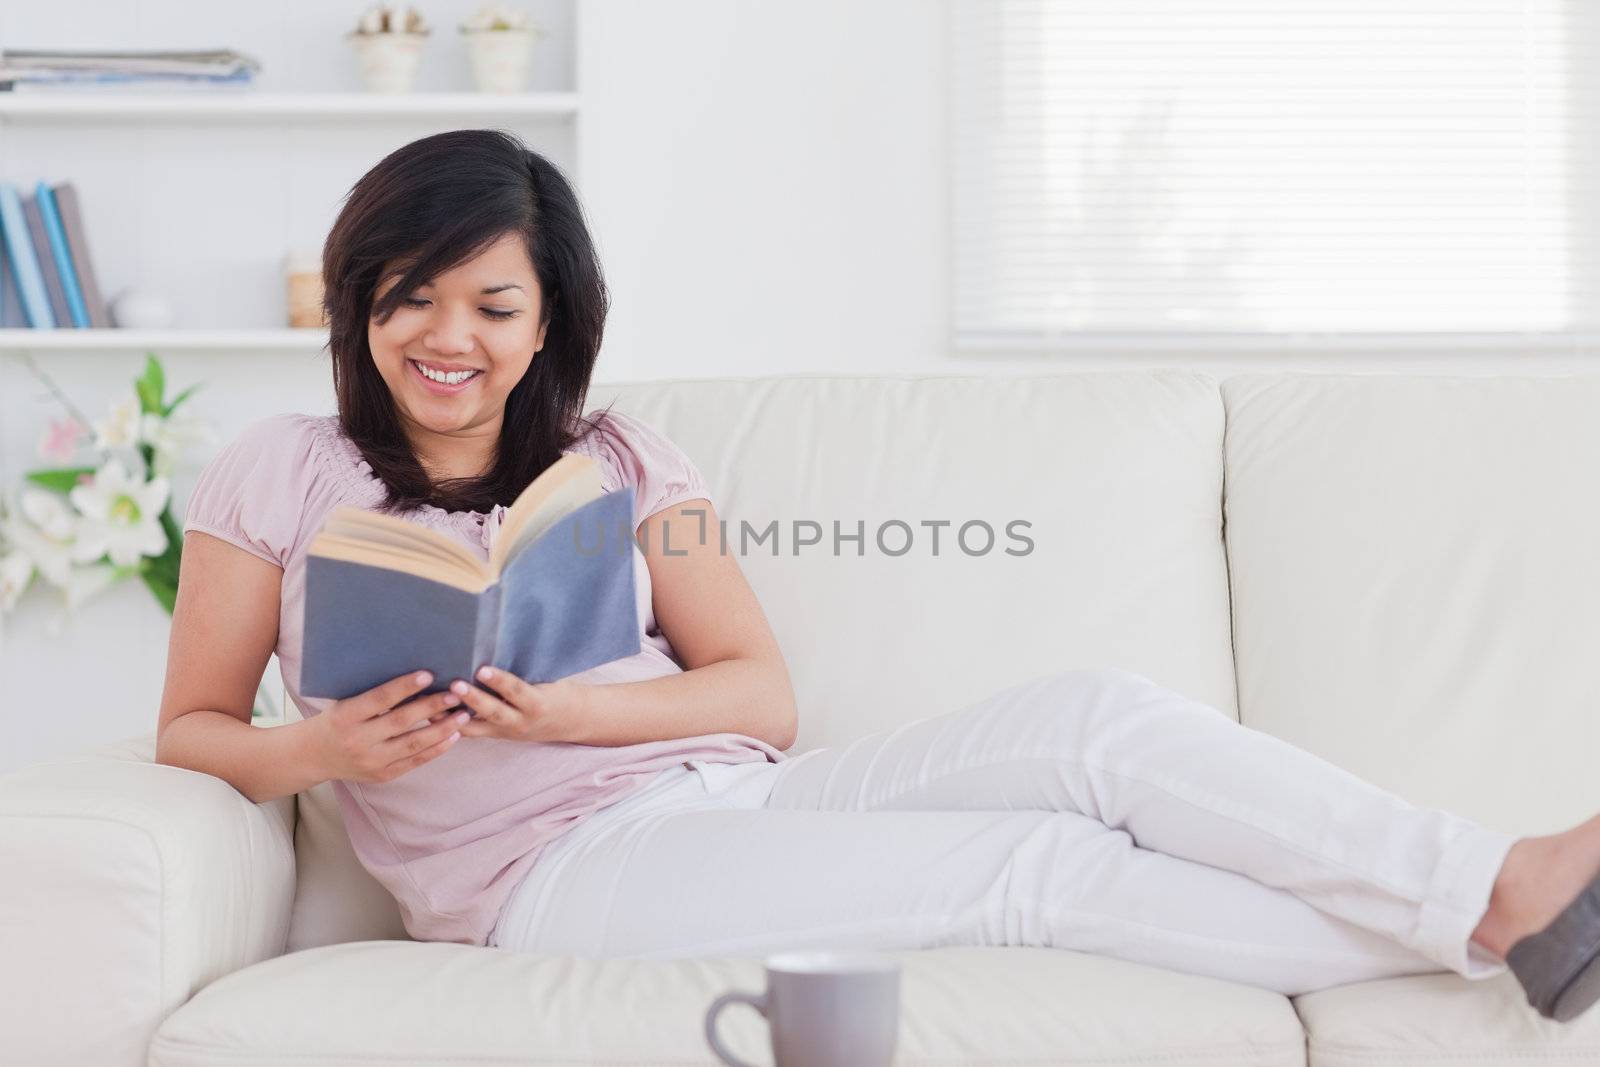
758	1001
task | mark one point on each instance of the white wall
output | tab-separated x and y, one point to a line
766	182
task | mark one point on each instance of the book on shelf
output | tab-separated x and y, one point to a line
11	313
23	259
49	69
67	270
66	197
556	596
49	270
50	282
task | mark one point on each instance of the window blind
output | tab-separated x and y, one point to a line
1255	165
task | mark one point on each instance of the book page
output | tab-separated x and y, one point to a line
566	485
403	558
387	529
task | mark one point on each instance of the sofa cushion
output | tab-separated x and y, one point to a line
335	899
1119	474
408	1003
1415	580
1432	1020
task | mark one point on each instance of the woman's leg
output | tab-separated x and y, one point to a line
1185	780
712	875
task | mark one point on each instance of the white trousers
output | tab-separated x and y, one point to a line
1091	810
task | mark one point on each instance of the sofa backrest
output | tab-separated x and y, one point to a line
1118	476
1415	568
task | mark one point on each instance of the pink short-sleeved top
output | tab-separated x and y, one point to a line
452	838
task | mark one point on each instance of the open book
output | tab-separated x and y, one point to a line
385	596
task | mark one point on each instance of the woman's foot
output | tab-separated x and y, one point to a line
1540	877
1544	920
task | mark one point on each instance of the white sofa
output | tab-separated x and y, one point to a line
1399	573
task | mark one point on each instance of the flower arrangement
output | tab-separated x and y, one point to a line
500	48
83	527
391	18
388	42
497	18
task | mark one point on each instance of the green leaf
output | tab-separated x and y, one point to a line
180	398
165	590
60	479
151	385
160	573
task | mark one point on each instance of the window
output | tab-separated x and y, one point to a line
1254	166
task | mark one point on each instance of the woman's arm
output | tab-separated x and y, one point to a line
224	628
735	679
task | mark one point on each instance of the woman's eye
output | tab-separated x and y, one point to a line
415	302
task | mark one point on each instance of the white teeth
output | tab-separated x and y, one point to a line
455	377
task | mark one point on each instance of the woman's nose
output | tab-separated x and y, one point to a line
449	334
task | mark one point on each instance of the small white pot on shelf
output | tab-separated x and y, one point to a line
501	59
141	309
388	61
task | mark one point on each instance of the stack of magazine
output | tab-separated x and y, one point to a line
53	69
46	275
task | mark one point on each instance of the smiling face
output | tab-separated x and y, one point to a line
454	349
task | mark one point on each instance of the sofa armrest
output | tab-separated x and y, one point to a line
126	886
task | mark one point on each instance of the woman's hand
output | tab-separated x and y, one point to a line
381	734
506	707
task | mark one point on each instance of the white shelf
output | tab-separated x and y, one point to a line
74	340
247	104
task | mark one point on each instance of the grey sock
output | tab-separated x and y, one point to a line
1559	967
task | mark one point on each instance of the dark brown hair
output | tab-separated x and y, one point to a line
428	207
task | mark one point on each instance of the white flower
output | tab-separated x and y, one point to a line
44	531
495	17
16	571
86	581
121	516
171	435
121	428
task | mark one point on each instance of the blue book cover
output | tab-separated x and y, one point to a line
24	264
11	314
560	600
62	255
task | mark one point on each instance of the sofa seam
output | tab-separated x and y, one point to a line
1455	1056
1209	1054
1227	563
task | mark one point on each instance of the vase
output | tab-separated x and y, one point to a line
501	59
388	61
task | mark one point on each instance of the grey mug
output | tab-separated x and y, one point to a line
824	1009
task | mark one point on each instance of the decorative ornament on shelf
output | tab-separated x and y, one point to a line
500	44
141	309
388	42
302	270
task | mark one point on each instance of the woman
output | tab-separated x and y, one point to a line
646	808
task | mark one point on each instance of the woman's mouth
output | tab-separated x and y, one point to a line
443	380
